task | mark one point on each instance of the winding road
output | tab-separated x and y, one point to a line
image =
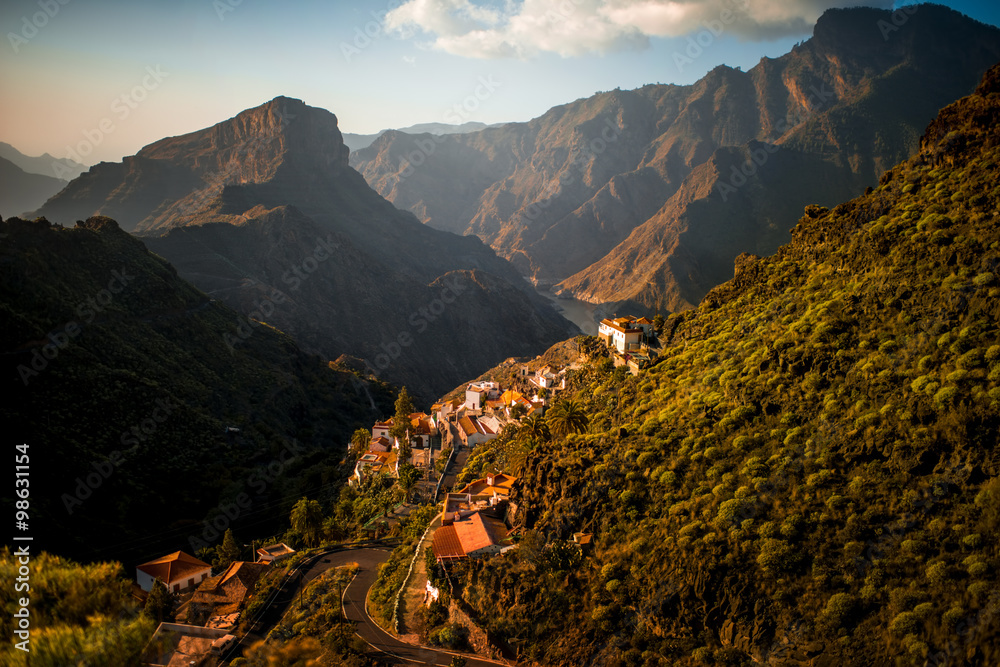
391	650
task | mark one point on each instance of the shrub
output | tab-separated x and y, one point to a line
840	608
777	556
904	624
973	541
938	573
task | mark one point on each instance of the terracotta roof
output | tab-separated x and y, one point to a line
644	320
446	543
245	573
478	532
465	423
510	396
174	568
621	324
481	487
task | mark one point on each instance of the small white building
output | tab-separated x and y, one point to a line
274	553
178	572
477	393
622	333
475	431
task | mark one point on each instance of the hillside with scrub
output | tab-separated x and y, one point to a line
809	474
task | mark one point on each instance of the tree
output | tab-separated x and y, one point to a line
228	552
533	428
567	417
517	411
658	322
159	604
408	477
307	520
401	423
360	440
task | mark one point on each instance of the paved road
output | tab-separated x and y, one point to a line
392	651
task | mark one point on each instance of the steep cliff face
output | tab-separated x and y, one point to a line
556	195
263	210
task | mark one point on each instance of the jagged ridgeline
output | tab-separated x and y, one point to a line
647	196
810	474
140	417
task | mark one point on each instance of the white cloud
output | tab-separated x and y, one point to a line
526	28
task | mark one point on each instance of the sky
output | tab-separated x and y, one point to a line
96	80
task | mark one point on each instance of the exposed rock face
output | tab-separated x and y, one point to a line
649	168
264	212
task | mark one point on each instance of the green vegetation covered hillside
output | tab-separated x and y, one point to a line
810	473
148	408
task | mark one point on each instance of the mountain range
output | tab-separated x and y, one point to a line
645	197
358	141
263	212
809	473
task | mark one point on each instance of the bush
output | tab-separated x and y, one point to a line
938	573
777	556
839	609
904	624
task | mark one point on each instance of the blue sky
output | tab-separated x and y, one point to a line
119	74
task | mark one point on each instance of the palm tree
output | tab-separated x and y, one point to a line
567	417
307	520
533	428
360	440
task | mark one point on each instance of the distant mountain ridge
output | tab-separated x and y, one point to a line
63	169
619	197
239	205
21	191
358	141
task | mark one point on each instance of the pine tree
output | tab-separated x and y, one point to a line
159	604
228	552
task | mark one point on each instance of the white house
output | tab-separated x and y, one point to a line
178	572
475	431
623	333
381	429
478	393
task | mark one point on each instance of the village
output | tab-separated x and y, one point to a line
475	520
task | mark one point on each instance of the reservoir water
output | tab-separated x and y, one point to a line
582	314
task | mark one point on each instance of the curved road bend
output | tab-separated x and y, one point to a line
392	650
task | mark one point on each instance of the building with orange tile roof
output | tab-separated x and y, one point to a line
224	594
178	572
493	484
474	430
623	333
474	536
